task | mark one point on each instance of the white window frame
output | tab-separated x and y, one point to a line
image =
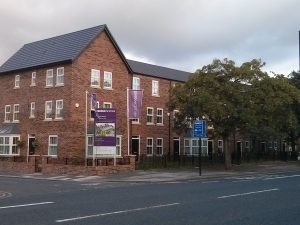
160	116
155	88
187	146
159	146
149	146
17	81
16	113
90	144
135	121
33	79
10	144
7	113
107	80
118	145
136	83
150	115
49	78
52	145
193	146
204	146
60	76
105	104
32	110
59	109
220	146
47	111
95	77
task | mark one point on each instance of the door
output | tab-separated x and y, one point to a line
135	146
176	145
31	146
210	149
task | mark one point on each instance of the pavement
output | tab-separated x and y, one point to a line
175	175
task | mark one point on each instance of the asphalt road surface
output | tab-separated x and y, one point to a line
253	200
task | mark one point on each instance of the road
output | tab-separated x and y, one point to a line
248	200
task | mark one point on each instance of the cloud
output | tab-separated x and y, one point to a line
182	34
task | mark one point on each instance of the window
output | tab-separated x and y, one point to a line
220	146
107	105
150	119
9	145
7	113
149	146
59	109
204	146
195	146
48	110
95	78
247	146
52	147
155	88
119	145
107	81
135	121
49	78
159	116
90	145
60	76
159	146
32	110
33	79
16	112
136	83
187	146
17	81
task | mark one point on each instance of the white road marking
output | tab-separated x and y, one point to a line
86	178
281	177
31	204
91	184
248	193
116	212
209	182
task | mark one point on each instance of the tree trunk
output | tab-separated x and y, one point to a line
227	154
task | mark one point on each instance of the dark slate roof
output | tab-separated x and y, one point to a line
9	129
158	71
63	48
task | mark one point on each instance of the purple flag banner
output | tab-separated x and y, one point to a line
105	127
135	103
94	100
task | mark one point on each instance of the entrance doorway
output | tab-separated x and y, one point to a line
176	147
210	149
135	146
31	147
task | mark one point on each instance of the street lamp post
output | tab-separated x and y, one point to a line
169	118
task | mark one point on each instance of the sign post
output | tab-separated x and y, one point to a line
200	132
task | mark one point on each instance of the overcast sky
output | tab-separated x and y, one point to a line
181	34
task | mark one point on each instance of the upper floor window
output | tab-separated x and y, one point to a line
60	76
32	110
16	112
59	109
33	79
7	113
107	81
48	110
49	78
52	146
159	116
17	81
107	105
150	119
136	83
95	78
155	90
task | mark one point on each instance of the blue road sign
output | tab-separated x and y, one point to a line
200	128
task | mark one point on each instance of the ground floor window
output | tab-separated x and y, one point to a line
9	145
52	145
191	146
119	145
149	146
159	146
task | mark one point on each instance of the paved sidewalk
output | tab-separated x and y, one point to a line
175	175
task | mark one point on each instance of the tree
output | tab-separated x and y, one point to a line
234	98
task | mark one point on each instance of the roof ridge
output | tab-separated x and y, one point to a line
61	35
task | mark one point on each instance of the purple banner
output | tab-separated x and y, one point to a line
135	103
105	127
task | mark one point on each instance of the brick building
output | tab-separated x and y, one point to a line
45	104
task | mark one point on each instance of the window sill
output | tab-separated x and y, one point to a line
16	121
16	87
136	123
32	117
108	88
49	86
151	124
47	120
32	85
94	86
160	124
59	85
157	96
9	155
7	121
58	119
